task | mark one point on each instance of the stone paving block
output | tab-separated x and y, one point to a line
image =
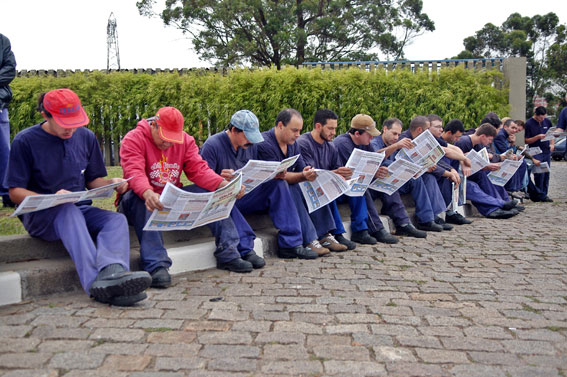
315	318
280	338
50	332
126	362
441	356
157	374
215	351
118	335
405	369
388	329
531	371
293	368
14	331
179	363
347	329
171	337
393	354
477	371
207	326
529	347
55	346
229	337
541	334
556	361
354	368
31	373
285	352
58	321
351	353
488	332
119	348
230	364
295	326
30	360
18	345
172	350
422	341
372	340
270	316
328	340
76	360
158	324
471	344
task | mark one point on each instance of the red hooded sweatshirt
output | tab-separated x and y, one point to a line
151	168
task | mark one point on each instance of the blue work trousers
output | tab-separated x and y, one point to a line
93	237
4	148
275	197
308	230
152	251
392	206
483	201
542	180
428	199
358	213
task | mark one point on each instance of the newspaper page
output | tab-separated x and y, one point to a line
33	203
484	154
553	132
324	189
426	152
399	172
256	172
458	194
364	164
542	168
477	161
463	190
184	210
507	169
533	151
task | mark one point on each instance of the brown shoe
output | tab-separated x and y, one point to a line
316	247
332	244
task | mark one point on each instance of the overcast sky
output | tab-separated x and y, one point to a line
71	34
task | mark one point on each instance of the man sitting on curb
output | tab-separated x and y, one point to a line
360	135
157	151
280	143
58	156
230	150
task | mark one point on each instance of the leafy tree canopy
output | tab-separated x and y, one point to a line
279	32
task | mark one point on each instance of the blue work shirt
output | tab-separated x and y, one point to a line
378	143
220	154
562	122
534	128
465	143
269	150
45	163
344	146
319	156
501	143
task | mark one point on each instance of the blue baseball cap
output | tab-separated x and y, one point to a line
246	121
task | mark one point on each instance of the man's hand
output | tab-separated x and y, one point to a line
241	192
344	172
432	169
404	143
382	172
151	199
63	191
227	174
309	173
466	167
455	177
492	167
551	147
536	162
281	175
123	187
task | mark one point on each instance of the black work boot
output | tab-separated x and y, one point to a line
114	285
363	237
256	260
383	236
236	265
345	241
161	278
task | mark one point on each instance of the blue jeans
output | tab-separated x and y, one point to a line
4	148
152	251
79	228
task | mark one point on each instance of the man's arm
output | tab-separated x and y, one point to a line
403	143
18	194
99	182
533	139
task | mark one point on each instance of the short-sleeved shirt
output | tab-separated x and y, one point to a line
534	128
319	156
45	163
466	145
220	154
344	145
269	150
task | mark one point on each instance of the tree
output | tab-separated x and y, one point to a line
541	39
278	32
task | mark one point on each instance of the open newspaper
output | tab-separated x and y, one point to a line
478	161
553	132
256	172
188	210
426	152
324	189
507	169
542	168
365	164
399	172
33	203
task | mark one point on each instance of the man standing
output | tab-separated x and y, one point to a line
230	150
57	156
536	127
360	135
157	151
7	74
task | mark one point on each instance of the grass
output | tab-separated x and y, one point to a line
13	226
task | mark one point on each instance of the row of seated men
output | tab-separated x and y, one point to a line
59	155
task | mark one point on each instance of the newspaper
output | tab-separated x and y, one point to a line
533	151
507	169
477	161
426	152
256	172
33	203
324	189
188	210
365	164
553	132
542	168
399	172
458	194
484	154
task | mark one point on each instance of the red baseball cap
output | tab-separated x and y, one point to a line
170	122
65	107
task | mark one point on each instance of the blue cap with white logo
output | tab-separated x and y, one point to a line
246	121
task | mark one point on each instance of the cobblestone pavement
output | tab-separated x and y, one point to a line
488	299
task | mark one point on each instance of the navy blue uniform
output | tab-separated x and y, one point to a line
316	224
392	205
45	163
534	128
501	145
273	196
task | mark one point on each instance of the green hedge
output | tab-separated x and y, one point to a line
116	100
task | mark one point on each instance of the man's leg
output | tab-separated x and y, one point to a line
435	196
308	230
4	154
485	203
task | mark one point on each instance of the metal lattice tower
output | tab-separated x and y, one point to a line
112	53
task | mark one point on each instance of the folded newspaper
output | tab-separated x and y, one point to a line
542	168
188	210
365	165
507	169
426	152
324	189
399	172
553	132
33	203
256	172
